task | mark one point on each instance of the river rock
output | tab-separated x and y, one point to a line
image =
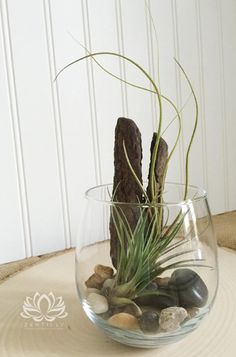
166	298
103	271
189	287
172	317
108	283
94	281
124	321
149	321
98	303
152	286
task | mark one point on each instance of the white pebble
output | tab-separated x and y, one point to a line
171	318
108	283
98	303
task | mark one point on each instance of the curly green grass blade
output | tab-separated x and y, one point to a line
145	89
133	173
194	128
159	99
132	62
195	99
157	41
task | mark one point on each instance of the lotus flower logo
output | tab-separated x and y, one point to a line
43	307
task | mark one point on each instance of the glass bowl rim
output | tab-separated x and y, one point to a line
202	195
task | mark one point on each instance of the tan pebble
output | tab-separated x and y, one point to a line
94	281
104	271
124	321
98	303
172	317
192	312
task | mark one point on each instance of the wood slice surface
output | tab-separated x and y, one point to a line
77	337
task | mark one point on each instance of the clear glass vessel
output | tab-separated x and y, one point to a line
147	274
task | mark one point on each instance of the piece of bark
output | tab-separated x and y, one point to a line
125	187
162	156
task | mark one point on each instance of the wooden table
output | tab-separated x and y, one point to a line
75	335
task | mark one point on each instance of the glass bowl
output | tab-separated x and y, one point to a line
147	274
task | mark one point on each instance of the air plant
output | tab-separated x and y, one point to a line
150	248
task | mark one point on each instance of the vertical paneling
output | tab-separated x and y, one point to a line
56	138
164	48
202	85
136	47
34	98
57	120
81	160
179	95
188	56
227	13
103	37
15	234
91	89
214	118
122	62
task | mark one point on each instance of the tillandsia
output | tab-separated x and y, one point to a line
146	246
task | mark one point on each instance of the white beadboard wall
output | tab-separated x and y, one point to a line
56	138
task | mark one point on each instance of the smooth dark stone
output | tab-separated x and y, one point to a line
159	301
152	286
149	321
189	287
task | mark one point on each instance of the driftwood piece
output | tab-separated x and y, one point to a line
125	187
162	155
